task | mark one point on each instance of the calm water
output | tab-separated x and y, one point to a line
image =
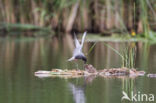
20	58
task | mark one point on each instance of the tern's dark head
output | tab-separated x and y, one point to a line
81	57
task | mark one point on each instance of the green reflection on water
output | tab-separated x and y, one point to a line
19	60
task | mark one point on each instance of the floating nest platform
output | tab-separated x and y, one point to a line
90	71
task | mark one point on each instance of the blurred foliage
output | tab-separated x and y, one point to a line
96	16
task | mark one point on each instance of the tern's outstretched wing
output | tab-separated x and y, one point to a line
77	44
72	58
83	38
78	48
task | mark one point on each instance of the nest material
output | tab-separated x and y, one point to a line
151	75
115	72
90	70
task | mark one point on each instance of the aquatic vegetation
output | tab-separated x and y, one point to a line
25	29
127	54
151	75
128	85
90	70
79	15
91	48
117	38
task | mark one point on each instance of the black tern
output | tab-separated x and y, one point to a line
77	53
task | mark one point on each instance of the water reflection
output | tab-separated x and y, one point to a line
20	58
53	53
128	86
78	93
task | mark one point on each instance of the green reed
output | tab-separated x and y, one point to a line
127	55
128	86
94	15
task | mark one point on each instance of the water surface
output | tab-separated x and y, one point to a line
20	58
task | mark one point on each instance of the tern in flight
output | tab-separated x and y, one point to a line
77	53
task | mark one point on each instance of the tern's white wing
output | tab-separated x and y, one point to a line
83	38
77	51
72	58
78	47
77	44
